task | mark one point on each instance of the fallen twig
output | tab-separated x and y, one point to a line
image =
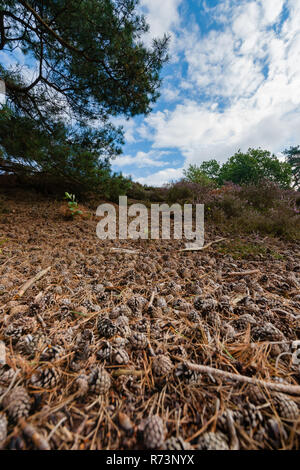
30	283
119	372
290	389
201	248
234	442
243	273
125	250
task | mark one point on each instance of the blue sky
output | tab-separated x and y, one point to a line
232	82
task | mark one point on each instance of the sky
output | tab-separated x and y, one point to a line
232	82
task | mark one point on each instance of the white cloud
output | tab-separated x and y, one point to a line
142	159
162	176
162	16
247	76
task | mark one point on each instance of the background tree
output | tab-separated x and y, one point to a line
90	64
254	166
293	158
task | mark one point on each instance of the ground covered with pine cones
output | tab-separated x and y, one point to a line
94	353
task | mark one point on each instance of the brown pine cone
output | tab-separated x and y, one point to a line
136	305
286	407
205	306
266	332
194	316
255	395
121	310
99	381
17	403
121	356
176	443
106	328
3	429
154	433
20	328
138	340
31	344
243	321
6	375
162	365
52	353
105	351
183	373
82	385
122	324
47	378
213	441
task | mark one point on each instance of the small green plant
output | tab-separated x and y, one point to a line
72	204
2	243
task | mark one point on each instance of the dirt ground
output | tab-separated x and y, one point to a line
96	353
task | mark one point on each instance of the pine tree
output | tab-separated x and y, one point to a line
90	65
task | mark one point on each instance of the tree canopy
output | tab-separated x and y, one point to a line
90	64
251	167
254	166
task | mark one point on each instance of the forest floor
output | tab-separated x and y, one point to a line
96	353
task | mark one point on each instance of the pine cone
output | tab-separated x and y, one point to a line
3	429
162	366
106	327
176	443
52	353
213	441
255	395
86	336
99	381
142	326
286	407
138	341
266	332
105	352
82	385
188	376
47	378
122	325
6	375
136	305
14	332
154	433
205	306
249	416
121	310
243	321
17	403
31	344
20	328
194	316
121	356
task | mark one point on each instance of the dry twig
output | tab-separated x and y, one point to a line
290	389
201	248
30	283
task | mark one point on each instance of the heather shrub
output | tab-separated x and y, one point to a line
280	222
262	196
186	192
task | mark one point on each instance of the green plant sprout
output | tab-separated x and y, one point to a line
72	204
2	243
